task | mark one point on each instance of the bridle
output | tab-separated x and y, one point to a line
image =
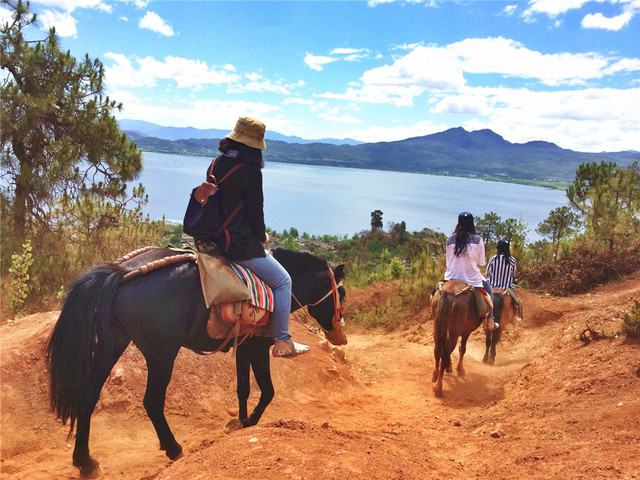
337	308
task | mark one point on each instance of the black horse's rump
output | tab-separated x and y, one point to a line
160	312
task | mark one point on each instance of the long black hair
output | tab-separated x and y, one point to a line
503	251
464	229
246	154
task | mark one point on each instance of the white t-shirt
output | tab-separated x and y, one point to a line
466	266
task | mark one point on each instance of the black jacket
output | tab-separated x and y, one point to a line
247	229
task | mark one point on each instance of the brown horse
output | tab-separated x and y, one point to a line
455	314
505	311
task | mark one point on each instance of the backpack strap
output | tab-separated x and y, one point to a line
231	170
227	236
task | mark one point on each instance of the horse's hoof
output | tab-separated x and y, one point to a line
461	373
438	393
91	472
233	425
178	457
175	453
485	360
492	361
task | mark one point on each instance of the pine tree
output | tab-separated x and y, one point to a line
64	161
59	139
608	196
560	223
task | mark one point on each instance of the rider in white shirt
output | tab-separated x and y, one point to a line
465	255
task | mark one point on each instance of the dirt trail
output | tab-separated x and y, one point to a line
550	408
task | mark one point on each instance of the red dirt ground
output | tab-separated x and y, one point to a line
550	408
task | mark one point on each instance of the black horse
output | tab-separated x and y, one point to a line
160	312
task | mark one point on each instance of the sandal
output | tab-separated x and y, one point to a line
293	350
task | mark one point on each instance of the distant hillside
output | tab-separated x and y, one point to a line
481	153
146	129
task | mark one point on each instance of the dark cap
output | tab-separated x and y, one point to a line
465	217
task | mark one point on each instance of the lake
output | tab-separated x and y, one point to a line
338	201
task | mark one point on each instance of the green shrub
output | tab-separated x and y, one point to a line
631	320
396	267
20	284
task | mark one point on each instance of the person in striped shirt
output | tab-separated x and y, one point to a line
501	272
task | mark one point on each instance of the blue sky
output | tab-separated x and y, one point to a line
564	71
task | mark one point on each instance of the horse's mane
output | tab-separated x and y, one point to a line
299	261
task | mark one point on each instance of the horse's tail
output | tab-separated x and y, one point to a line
442	319
498	305
81	342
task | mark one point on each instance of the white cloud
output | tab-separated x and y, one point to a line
511	59
553	8
71	5
389	134
436	69
556	8
334	116
597	20
426	68
314	105
463	104
152	21
187	73
6	15
624	65
63	22
584	120
259	84
316	62
198	113
345	51
510	9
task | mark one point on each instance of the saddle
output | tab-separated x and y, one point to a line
235	296
481	296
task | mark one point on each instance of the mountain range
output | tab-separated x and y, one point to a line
457	152
147	129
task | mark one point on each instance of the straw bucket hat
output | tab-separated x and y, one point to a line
249	131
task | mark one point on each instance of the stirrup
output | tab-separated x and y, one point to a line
293	350
490	324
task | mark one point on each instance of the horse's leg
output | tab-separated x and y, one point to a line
82	459
243	382
436	370
160	367
487	342
495	338
260	363
462	349
254	353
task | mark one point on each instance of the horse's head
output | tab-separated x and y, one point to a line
328	310
319	287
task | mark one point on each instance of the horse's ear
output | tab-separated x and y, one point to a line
338	272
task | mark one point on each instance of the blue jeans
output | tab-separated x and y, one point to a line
487	287
273	274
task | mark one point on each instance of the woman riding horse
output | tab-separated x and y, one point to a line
243	236
453	304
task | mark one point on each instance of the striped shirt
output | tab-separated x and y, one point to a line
499	274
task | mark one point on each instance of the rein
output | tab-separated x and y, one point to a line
337	308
